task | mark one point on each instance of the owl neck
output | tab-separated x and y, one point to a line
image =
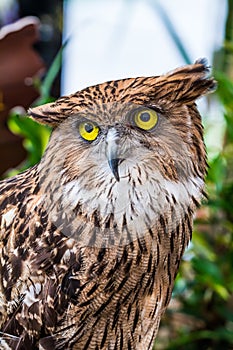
117	213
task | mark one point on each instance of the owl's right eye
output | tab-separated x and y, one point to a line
88	130
146	119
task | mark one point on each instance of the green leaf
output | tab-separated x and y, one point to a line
36	136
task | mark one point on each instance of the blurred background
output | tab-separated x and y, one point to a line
52	48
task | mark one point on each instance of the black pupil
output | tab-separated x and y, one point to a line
89	127
145	117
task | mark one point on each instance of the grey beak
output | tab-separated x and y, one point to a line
113	163
112	151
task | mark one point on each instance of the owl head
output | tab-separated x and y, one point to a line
128	148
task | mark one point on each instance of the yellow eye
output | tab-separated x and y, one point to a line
146	119
88	130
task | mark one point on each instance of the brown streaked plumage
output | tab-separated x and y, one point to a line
91	238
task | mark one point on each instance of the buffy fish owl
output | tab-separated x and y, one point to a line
91	237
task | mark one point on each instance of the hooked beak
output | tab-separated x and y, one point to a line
113	163
112	150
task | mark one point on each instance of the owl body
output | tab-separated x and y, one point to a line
92	236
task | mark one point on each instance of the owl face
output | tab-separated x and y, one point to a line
121	165
123	152
116	139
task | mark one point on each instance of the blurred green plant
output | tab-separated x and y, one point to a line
35	139
35	136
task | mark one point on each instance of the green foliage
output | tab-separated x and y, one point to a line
35	137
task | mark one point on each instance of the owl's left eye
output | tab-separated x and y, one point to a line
88	130
145	119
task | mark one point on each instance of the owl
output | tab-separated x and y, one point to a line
91	238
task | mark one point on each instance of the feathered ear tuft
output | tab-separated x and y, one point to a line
49	114
188	83
56	112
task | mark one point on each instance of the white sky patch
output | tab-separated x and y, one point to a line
116	39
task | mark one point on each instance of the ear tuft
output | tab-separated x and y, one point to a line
190	82
49	114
